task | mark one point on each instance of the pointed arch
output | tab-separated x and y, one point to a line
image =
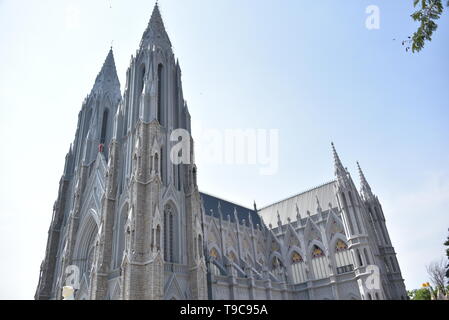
85	241
291	238
298	267
171	223
318	260
334	226
342	257
312	233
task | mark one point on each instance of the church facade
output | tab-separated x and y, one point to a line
128	223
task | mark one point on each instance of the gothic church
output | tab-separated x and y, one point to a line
136	226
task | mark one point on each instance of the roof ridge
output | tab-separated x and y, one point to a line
232	202
298	194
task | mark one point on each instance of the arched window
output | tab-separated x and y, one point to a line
213	254
299	274
104	126
162	166
369	296
169	238
359	256
377	296
319	263
343	257
158	237
121	235
160	82
141	79
200	246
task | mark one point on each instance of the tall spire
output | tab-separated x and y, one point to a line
365	188
339	169
155	32
107	79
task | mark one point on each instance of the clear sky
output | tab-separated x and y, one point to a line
310	69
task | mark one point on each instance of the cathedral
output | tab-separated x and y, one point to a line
129	224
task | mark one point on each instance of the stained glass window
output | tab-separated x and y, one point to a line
296	257
317	252
213	253
341	246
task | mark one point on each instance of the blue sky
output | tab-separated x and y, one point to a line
310	69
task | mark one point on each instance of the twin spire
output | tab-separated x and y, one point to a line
340	172
107	79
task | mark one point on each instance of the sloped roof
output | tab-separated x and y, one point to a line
227	208
306	201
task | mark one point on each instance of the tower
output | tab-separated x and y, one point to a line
92	138
163	229
392	280
357	230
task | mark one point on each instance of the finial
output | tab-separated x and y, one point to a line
255	206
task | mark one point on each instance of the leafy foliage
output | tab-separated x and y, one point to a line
429	11
419	294
447	254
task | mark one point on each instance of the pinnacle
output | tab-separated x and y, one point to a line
107	79
365	187
155	31
339	169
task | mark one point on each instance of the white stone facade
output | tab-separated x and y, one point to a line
136	226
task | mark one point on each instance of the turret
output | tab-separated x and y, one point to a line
356	227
